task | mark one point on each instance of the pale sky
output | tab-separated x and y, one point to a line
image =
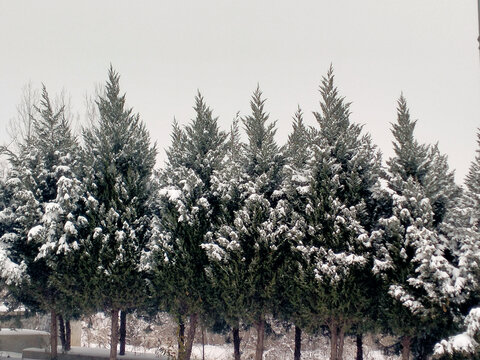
166	50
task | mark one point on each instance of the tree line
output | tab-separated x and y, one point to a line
318	233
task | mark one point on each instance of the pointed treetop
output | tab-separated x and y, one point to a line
46	109
410	157
404	128
257	104
234	143
52	131
298	141
111	104
202	109
261	147
113	82
334	116
177	146
200	145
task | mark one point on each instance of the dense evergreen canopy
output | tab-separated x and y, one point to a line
237	230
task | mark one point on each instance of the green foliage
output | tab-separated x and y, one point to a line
41	198
119	161
187	209
411	253
235	231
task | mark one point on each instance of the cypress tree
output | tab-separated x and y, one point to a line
338	210
45	208
411	255
461	228
244	247
290	226
121	160
228	293
187	209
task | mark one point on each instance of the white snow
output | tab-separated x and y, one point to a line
171	193
9	271
70	228
464	342
5	331
212	352
34	232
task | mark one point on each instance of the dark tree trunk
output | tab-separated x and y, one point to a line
192	327
359	347
298	344
61	330
181	338
406	343
123	331
53	334
68	336
114	335
341	342
333	340
236	343
203	343
260	325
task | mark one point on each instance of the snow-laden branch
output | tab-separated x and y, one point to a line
10	272
465	342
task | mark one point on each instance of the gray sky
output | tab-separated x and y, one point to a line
166	50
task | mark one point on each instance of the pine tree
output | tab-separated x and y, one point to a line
187	210
43	208
228	295
121	162
243	248
461	228
338	212
290	228
411	254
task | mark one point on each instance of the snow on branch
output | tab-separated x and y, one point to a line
463	343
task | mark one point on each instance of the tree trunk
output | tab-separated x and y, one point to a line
53	334
192	327
341	342
298	343
181	338
333	340
123	331
260	325
406	343
114	335
61	328
359	347
236	343
203	343
68	336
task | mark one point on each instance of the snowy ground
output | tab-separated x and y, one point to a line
159	337
9	355
14	332
222	352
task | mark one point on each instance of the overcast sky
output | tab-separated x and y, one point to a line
166	50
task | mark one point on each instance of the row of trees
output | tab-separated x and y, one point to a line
317	233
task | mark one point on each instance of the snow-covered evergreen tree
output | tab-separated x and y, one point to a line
290	226
120	161
10	272
42	212
244	247
337	215
410	251
462	230
188	209
228	183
